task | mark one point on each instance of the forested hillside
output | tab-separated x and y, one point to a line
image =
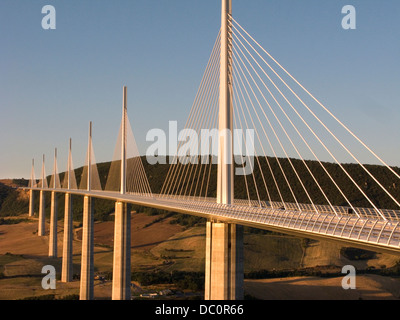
11	202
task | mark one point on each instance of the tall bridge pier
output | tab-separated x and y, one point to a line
41	223
66	271
31	204
42	206
53	213
121	289
87	259
53	226
224	261
224	241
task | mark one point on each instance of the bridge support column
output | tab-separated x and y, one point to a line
53	226
224	261
87	263
122	253
66	273
31	203
41	223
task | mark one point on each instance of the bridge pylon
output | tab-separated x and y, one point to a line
42	205
66	271
224	242
121	289
87	258
53	212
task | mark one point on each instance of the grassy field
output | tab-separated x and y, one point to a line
158	245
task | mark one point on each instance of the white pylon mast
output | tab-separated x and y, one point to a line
55	169
69	165
89	164
225	152
43	173
123	142
33	182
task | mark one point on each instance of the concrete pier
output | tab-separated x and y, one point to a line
122	253
66	272
67	266
236	262
224	261
53	226
87	263
31	203
224	241
42	214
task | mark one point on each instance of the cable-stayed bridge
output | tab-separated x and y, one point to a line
249	116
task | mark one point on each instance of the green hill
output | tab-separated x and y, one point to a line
12	204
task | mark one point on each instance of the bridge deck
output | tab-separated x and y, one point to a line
366	231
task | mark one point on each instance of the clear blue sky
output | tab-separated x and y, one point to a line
52	83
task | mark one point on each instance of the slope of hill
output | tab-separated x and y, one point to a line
369	287
156	175
159	246
12	201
